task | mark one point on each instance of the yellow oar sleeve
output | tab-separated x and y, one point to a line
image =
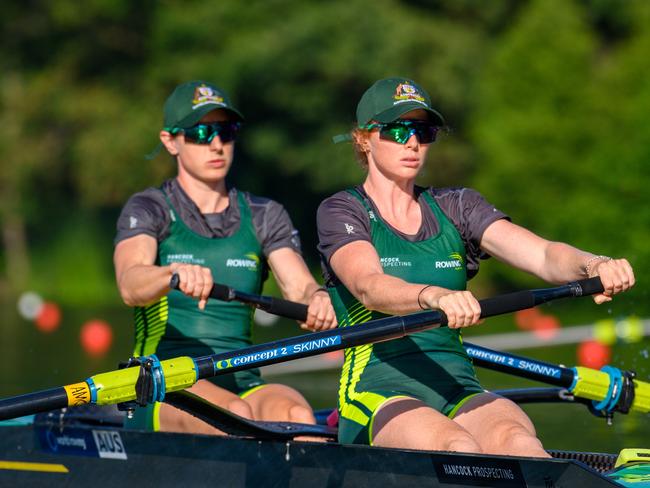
594	385
591	384
119	386
641	401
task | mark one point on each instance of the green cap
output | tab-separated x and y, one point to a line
388	99
190	101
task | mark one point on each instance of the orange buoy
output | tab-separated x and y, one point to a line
48	318
96	337
546	326
524	319
594	354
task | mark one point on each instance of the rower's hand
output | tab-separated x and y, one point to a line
194	281
461	307
616	275
320	314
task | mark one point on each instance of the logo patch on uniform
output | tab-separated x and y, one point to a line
455	262
349	228
183	258
394	262
251	262
133	222
295	239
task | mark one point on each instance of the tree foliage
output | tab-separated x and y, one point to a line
547	102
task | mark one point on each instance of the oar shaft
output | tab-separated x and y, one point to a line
275	306
31	403
388	328
317	343
520	366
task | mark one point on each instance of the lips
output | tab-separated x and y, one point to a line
411	161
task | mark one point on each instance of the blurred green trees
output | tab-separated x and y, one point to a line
547	99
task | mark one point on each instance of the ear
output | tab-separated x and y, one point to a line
169	141
361	139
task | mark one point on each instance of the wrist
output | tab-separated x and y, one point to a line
319	289
593	263
422	307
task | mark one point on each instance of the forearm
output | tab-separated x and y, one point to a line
143	284
292	275
563	263
391	295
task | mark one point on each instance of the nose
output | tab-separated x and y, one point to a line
413	142
216	144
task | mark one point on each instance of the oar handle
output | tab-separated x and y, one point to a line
512	302
276	306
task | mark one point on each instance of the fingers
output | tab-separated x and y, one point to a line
195	281
461	308
320	314
616	276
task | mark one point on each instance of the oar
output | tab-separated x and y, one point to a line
149	382
276	306
610	389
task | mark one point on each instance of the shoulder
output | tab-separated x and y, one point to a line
261	207
341	201
256	201
458	195
145	212
342	213
150	199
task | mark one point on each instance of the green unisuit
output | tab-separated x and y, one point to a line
431	366
175	326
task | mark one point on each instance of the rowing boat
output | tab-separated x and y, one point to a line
59	443
77	446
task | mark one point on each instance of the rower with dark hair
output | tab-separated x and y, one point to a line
199	228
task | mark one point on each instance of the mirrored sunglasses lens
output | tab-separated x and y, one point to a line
205	133
399	133
426	133
227	132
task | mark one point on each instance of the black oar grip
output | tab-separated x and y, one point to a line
175	281
285	308
510	302
220	292
590	286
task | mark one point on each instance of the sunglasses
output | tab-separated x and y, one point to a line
204	133
402	130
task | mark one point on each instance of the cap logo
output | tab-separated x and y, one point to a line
203	95
407	93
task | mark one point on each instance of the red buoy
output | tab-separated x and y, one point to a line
594	354
96	337
546	326
526	318
48	318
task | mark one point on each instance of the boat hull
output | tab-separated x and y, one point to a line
50	455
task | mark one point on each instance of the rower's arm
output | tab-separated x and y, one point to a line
554	262
297	284
357	265
141	282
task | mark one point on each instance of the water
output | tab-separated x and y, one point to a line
31	360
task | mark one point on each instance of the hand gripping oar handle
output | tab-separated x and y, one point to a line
276	306
520	300
509	302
